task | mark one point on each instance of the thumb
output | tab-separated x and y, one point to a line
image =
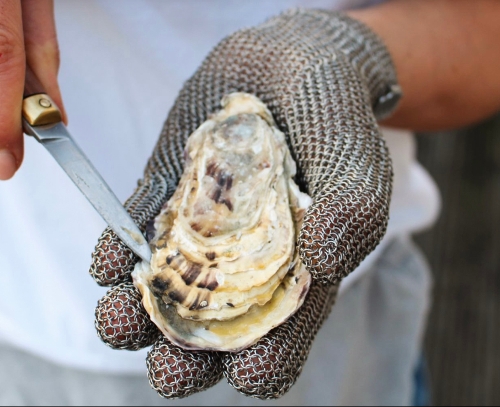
12	64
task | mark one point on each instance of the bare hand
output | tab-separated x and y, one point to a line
27	36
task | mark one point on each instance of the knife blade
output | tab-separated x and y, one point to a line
42	119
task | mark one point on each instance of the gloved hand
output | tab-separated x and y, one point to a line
326	78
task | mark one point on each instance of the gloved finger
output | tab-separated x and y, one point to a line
343	226
176	373
346	168
268	369
121	320
112	260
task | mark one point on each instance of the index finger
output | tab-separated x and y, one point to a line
42	49
12	66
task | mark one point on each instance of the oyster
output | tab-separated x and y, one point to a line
225	269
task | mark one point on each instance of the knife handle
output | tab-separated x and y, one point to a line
38	108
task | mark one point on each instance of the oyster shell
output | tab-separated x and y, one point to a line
225	269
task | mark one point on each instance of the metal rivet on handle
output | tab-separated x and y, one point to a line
45	103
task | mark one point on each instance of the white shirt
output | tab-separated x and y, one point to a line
122	67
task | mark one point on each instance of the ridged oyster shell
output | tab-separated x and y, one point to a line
225	269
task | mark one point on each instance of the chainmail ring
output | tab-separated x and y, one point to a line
175	373
121	320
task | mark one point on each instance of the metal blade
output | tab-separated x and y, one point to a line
60	144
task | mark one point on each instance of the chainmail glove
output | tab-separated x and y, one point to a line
326	78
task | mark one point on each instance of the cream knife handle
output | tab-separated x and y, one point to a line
38	108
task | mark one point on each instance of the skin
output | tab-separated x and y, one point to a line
445	51
446	55
27	35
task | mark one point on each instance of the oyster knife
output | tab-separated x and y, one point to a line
42	119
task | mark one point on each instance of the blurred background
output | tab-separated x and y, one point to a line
463	249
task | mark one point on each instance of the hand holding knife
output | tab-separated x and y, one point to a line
42	119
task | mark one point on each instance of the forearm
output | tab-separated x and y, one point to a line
447	57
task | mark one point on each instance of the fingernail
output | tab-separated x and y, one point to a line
8	165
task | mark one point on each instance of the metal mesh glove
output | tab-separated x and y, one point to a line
326	78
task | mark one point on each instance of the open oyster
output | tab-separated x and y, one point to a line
225	269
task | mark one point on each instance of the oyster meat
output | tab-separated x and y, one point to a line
225	269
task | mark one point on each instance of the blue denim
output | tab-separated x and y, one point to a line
422	395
